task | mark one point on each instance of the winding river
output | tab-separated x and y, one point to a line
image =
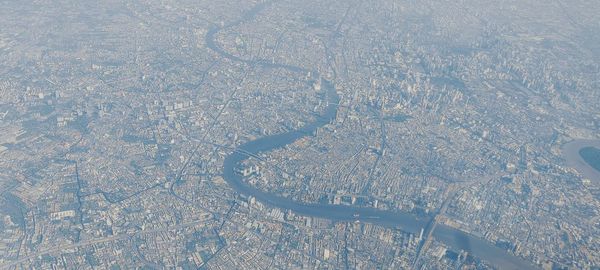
452	237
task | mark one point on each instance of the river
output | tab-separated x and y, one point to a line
408	222
572	154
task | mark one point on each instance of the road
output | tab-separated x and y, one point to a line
62	248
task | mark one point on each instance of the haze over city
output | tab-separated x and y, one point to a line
250	134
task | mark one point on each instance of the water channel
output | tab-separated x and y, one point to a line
454	238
